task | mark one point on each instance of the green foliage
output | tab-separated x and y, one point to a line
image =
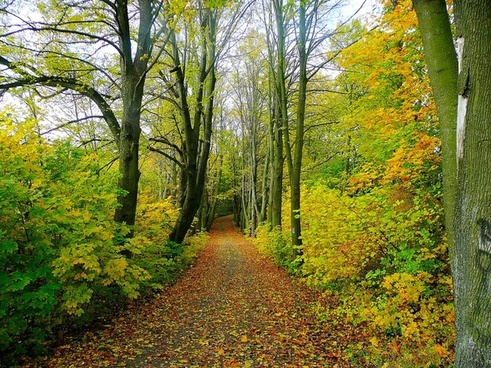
62	257
275	244
29	291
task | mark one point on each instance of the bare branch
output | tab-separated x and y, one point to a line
178	163
64	125
69	83
165	141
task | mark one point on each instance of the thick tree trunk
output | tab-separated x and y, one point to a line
472	256
187	212
133	72
129	171
471	150
441	61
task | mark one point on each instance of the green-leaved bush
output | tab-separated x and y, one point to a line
61	254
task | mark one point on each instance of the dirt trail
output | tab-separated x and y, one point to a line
232	309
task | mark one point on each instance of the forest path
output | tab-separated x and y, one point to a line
234	308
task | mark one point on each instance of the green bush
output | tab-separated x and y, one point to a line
62	257
273	243
57	249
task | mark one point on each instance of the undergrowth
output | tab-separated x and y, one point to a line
63	261
386	265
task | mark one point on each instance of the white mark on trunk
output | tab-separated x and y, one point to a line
460	51
461	105
461	112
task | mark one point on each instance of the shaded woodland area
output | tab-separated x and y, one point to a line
127	127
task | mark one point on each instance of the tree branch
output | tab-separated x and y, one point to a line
69	83
178	163
164	140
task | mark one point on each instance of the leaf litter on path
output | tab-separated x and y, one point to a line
234	308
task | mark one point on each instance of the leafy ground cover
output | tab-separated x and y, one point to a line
234	308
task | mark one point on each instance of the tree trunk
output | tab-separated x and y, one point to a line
441	61
133	72
277	173
254	211
129	170
264	189
196	161
296	168
189	173
280	116
472	260
244	224
468	154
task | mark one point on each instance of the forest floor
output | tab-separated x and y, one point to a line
234	308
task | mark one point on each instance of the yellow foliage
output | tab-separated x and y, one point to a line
266	239
155	217
334	233
194	244
415	321
115	269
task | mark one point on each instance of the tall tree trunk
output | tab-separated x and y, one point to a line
196	161
472	255
133	73
189	171
254	163
441	61
470	147
296	167
277	172
280	117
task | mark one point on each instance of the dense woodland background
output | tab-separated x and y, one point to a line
126	126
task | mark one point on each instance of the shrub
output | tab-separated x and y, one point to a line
273	244
58	252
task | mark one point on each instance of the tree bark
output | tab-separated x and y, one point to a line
441	61
280	116
133	73
277	172
472	258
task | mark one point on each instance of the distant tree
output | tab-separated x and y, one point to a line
198	36
300	30
250	104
